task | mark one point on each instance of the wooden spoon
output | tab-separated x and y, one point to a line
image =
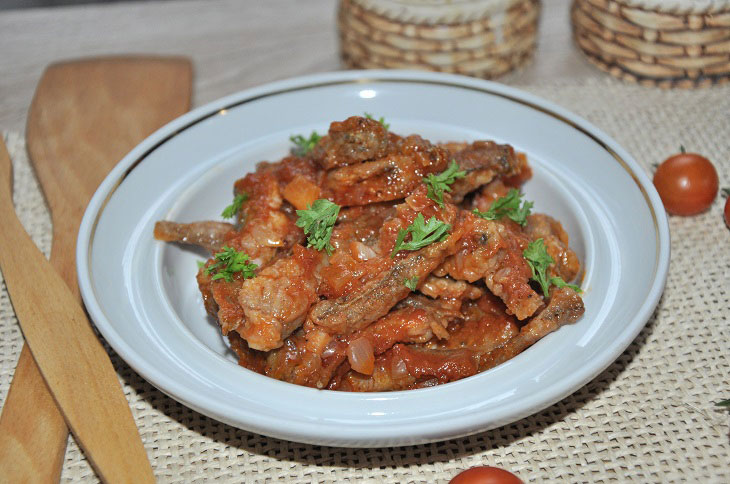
84	117
72	361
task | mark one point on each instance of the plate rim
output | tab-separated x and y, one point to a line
312	432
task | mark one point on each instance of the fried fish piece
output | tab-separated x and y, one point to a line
209	235
483	161
392	176
354	140
415	366
492	251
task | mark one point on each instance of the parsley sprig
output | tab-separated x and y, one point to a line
229	261
231	210
539	260
411	283
380	120
317	221
508	206
438	184
304	145
422	234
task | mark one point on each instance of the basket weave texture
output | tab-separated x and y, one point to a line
687	48
484	45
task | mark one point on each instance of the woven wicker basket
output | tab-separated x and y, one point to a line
482	38
671	43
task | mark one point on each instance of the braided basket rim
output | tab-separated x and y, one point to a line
680	7
437	12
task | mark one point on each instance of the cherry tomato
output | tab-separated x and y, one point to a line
687	183
485	475
727	210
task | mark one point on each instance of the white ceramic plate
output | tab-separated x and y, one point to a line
143	296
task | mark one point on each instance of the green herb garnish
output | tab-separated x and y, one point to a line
229	261
411	283
422	234
724	403
304	145
559	282
508	206
231	210
317	221
438	184
539	260
380	120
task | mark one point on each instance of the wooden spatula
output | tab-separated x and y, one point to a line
85	116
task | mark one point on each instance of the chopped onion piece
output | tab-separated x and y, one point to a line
330	349
361	356
398	368
361	251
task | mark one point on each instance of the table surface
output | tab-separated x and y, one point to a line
233	45
621	426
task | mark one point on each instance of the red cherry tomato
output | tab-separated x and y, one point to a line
727	211
485	475
687	183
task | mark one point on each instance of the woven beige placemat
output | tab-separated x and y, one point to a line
650	417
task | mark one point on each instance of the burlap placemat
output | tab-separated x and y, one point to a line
650	417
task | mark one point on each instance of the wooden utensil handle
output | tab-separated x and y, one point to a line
19	456
111	103
72	361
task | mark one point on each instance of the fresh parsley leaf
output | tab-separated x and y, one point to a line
422	234
539	260
380	120
508	206
229	261
304	145
724	403
559	282
317	221
411	283
231	210
437	184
